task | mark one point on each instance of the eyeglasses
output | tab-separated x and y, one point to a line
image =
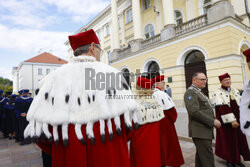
101	51
202	79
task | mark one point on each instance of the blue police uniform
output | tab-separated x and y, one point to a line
11	121
3	100
22	104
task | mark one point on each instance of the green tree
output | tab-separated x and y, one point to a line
6	85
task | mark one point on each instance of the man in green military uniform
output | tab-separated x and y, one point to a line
201	120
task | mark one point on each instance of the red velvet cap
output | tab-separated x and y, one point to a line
144	83
247	54
223	76
83	38
158	78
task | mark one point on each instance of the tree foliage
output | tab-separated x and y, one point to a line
6	85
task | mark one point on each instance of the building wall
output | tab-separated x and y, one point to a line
27	76
15	81
25	80
220	46
219	42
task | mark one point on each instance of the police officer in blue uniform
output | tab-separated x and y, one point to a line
10	121
3	100
22	104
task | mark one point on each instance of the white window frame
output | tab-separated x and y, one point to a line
119	22
109	55
98	33
178	18
205	5
40	71
47	71
129	16
107	30
148	33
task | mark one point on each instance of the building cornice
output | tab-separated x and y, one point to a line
206	29
122	5
38	64
41	64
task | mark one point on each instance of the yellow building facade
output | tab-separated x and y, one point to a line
176	38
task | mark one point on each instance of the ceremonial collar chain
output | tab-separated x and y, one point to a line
196	87
202	94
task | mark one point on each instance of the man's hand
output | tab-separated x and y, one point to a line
217	123
235	124
23	114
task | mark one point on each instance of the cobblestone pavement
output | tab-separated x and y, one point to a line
14	155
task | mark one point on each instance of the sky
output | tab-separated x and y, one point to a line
31	27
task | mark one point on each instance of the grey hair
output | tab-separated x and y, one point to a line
196	74
83	49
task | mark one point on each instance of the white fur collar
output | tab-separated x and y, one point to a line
64	99
82	58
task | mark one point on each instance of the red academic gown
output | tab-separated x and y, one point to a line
109	154
171	154
230	142
145	146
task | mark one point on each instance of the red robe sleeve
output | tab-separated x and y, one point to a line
46	147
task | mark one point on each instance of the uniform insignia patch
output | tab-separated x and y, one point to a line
189	97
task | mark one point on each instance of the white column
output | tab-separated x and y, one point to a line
168	12
102	42
190	9
114	33
136	9
122	28
102	36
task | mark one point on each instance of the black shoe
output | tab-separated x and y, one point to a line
241	165
230	165
22	143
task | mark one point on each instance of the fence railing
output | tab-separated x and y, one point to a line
150	41
186	27
191	25
124	52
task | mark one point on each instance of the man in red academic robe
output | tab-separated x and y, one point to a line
77	121
145	142
245	101
171	154
230	141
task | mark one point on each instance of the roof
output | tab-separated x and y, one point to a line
47	58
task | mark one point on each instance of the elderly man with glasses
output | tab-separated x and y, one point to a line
201	120
231	143
75	115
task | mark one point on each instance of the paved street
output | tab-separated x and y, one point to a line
14	155
181	124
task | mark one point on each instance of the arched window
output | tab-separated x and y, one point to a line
178	17
153	70
194	56
149	31
195	62
206	5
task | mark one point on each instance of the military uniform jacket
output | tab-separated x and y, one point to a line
201	115
245	109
